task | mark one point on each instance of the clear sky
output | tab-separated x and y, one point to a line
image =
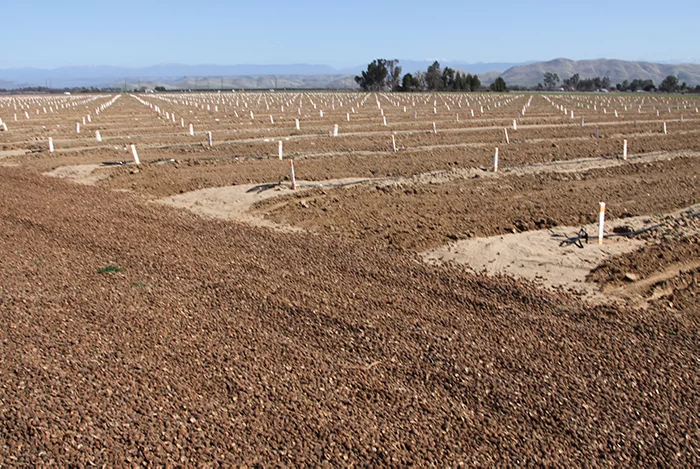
55	33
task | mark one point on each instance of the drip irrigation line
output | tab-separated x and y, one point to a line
345	184
264	187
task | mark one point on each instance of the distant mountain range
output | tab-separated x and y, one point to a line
323	76
616	70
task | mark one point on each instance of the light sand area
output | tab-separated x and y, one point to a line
82	174
233	202
538	256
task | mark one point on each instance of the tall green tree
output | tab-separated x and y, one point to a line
669	85
410	83
375	77
448	78
499	85
394	77
459	85
433	77
550	80
474	83
573	81
467	82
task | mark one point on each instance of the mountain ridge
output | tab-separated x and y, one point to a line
208	76
617	70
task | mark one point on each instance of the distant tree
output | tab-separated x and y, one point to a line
551	80
160	88
375	77
697	89
499	85
669	85
474	83
394	77
605	83
467	82
448	78
459	81
422	79
637	84
433	77
410	83
573	81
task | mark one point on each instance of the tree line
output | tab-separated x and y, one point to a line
385	75
670	84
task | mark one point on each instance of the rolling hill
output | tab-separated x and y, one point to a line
616	70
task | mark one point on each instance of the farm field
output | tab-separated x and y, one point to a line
405	304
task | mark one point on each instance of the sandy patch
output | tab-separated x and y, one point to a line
536	256
10	153
82	174
234	202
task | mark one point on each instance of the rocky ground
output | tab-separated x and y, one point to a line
423	215
217	342
132	332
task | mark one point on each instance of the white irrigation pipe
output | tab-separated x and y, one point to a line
291	173
601	222
135	154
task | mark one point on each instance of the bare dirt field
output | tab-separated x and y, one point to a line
408	307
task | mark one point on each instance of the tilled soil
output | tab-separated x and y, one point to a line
135	333
681	299
209	170
422	216
244	150
223	343
675	243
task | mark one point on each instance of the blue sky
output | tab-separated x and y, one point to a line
49	34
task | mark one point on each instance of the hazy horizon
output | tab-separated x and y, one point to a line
340	69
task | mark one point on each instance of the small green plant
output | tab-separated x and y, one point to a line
110	269
139	284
